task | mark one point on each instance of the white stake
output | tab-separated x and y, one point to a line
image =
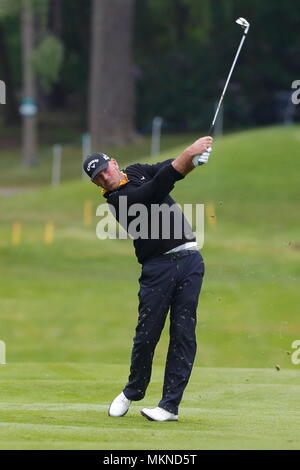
156	134
56	165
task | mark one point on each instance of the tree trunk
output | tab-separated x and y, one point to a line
29	131
111	92
56	98
40	25
56	24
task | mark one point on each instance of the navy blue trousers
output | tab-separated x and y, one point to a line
166	283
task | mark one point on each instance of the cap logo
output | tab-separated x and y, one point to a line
92	164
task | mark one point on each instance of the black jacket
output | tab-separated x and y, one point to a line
148	185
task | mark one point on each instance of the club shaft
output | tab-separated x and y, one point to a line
226	84
212	126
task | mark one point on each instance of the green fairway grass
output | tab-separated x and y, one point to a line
64	406
69	310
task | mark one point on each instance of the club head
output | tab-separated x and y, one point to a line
243	23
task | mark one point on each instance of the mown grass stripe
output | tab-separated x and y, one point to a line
184	411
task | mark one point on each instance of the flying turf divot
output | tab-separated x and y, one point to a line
2	352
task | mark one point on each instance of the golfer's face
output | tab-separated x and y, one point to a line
109	178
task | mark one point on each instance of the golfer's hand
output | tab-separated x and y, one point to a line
200	145
193	155
201	150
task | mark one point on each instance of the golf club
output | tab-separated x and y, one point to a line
245	25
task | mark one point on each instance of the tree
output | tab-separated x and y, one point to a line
29	131
111	92
42	55
56	17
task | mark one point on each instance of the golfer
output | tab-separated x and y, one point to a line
172	271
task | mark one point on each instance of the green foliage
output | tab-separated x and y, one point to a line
40	6
182	50
41	11
47	60
13	7
9	8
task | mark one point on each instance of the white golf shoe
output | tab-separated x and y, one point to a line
119	406
158	414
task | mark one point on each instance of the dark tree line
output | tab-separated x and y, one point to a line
126	61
